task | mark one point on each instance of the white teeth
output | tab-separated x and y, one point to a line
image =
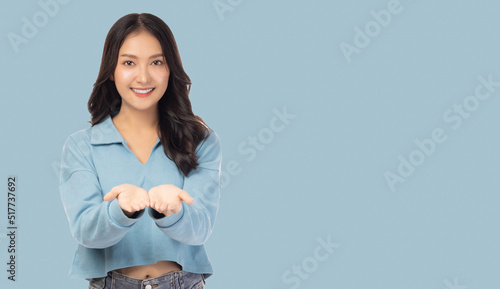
142	90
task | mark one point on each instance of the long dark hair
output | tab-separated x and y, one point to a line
179	129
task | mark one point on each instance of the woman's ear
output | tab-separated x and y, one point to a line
111	78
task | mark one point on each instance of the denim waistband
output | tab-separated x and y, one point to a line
171	280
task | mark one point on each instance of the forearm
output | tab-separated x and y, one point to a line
192	225
93	222
101	226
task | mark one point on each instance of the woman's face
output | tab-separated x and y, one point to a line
141	74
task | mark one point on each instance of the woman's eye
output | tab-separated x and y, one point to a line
157	62
128	63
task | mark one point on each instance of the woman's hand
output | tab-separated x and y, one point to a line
130	198
166	199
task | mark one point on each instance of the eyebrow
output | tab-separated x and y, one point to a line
135	57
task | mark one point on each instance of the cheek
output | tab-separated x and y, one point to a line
123	77
161	76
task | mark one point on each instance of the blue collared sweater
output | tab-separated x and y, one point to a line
96	159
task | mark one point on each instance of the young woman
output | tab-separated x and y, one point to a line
145	152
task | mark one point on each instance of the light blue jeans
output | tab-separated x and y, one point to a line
172	280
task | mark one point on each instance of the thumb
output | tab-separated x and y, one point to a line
111	195
184	196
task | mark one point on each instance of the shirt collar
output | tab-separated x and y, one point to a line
105	132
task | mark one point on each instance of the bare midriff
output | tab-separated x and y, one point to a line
150	271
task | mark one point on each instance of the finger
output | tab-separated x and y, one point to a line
127	208
184	196
152	204
140	205
163	207
135	207
111	195
176	210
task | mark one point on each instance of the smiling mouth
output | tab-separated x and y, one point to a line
142	91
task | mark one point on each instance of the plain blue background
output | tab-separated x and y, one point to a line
322	175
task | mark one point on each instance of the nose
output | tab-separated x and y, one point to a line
143	74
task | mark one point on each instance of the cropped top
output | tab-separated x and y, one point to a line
96	159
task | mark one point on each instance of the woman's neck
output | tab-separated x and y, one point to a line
136	120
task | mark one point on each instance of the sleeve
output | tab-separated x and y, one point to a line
93	222
194	223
